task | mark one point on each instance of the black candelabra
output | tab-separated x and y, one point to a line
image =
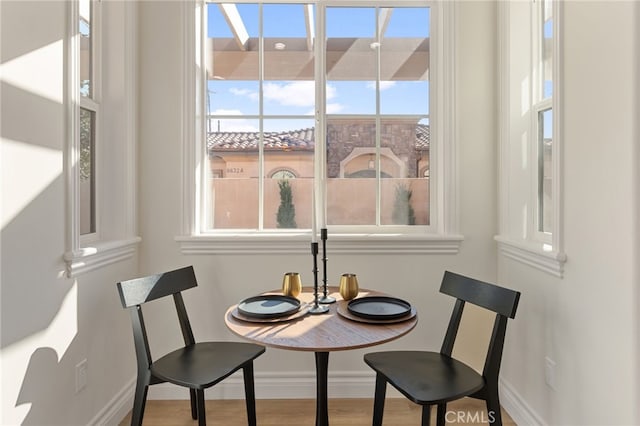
316	308
326	299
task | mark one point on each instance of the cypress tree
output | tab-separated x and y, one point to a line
403	213
286	211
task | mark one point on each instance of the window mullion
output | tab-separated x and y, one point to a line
320	157
378	122
261	158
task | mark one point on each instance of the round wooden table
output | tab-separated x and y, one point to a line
321	334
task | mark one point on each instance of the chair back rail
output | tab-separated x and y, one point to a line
141	290
497	299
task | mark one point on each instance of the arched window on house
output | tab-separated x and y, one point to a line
281	174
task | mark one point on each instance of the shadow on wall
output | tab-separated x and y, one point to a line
38	311
44	377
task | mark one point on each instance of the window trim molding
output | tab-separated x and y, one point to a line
298	243
444	237
102	254
546	256
533	254
91	252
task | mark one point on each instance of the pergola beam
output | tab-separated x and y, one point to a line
234	20
383	21
308	20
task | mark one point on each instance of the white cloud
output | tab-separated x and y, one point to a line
221	111
298	93
244	92
384	85
334	108
331	91
232	125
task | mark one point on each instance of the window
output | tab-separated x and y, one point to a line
530	173
87	171
351	115
100	154
89	107
542	112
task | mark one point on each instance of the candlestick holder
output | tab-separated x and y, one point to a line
325	299
316	308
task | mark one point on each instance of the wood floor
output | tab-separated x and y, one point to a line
301	412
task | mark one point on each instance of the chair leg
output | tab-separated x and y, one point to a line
493	407
194	406
426	415
249	393
442	413
202	416
378	402
139	401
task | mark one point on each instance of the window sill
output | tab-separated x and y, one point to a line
532	254
295	243
89	259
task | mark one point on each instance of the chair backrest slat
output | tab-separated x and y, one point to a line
452	329
141	290
500	300
185	325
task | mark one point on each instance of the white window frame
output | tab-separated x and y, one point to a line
88	252
92	104
539	105
540	250
444	236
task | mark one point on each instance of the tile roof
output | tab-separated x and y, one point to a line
423	137
293	140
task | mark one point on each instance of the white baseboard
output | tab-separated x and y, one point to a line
289	385
117	408
294	385
521	413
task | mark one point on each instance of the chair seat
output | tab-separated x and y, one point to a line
426	377
204	364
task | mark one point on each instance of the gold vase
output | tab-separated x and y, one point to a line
291	284
348	286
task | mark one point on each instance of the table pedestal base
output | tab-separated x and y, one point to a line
322	407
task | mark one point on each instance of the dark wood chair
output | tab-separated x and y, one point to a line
196	366
435	378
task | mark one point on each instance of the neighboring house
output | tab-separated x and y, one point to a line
351	154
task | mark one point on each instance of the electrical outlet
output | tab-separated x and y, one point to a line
81	375
550	372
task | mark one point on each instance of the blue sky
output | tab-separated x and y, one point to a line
236	97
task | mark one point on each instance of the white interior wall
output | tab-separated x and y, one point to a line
586	322
50	323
